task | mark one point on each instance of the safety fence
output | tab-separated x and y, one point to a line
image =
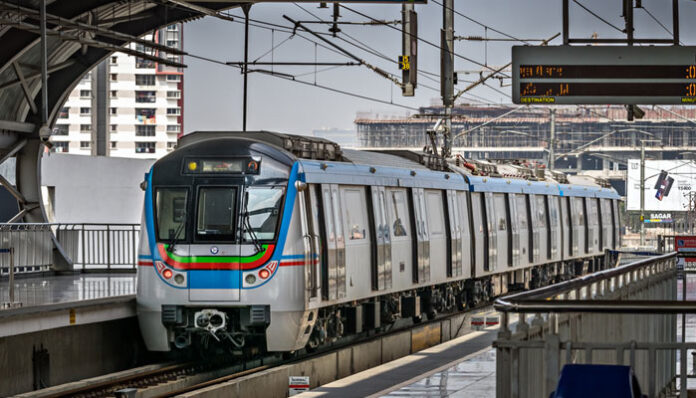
624	316
98	247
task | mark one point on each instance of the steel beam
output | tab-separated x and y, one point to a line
18	127
51	69
25	87
13	191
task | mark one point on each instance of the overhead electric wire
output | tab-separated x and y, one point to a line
481	23
598	17
473	61
292	78
658	22
365	47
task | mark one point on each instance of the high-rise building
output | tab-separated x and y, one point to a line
126	106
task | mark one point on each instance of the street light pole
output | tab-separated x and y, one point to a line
642	193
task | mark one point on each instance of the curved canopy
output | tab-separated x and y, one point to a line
79	34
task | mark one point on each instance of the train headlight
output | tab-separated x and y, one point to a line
178	278
167	274
264	273
250	279
192	166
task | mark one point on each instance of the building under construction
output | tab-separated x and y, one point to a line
591	140
597	140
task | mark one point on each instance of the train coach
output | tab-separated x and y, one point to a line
265	241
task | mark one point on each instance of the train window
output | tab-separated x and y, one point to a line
398	213
216	213
593	217
171	213
433	200
499	201
355	217
578	211
540	216
263	207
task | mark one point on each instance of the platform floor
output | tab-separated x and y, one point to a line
53	289
462	365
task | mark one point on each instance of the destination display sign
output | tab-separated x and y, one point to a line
604	75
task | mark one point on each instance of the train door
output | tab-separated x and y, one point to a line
454	265
536	225
400	222
617	223
554	227
382	259
421	240
515	229
435	214
513	234
468	243
580	226
480	239
572	236
334	270
310	207
607	220
592	215
520	216
354	212
491	231
528	208
501	227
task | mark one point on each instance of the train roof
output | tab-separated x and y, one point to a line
324	161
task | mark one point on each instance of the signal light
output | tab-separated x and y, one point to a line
264	273
167	274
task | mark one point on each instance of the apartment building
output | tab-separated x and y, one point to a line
126	106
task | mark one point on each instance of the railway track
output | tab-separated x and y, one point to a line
171	379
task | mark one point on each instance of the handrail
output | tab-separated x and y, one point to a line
562	287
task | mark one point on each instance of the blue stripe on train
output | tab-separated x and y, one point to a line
214	279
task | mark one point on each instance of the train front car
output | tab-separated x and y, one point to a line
217	255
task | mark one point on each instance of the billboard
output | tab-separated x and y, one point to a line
667	184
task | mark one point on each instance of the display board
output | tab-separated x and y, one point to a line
667	185
604	75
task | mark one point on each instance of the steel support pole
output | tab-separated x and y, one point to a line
246	9
44	66
642	193
447	71
566	23
675	21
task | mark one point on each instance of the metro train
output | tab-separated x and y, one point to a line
276	242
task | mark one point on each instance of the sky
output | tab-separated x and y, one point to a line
213	91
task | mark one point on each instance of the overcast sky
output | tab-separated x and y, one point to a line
213	92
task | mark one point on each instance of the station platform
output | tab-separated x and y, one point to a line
464	366
49	302
68	327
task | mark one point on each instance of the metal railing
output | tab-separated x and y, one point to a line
99	247
622	315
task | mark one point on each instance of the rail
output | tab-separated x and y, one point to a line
89	246
602	318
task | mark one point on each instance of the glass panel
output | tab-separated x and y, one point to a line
216	213
171	213
264	211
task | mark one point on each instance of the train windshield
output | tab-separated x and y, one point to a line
263	207
171	213
216	213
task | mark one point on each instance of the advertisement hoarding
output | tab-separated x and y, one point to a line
667	185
